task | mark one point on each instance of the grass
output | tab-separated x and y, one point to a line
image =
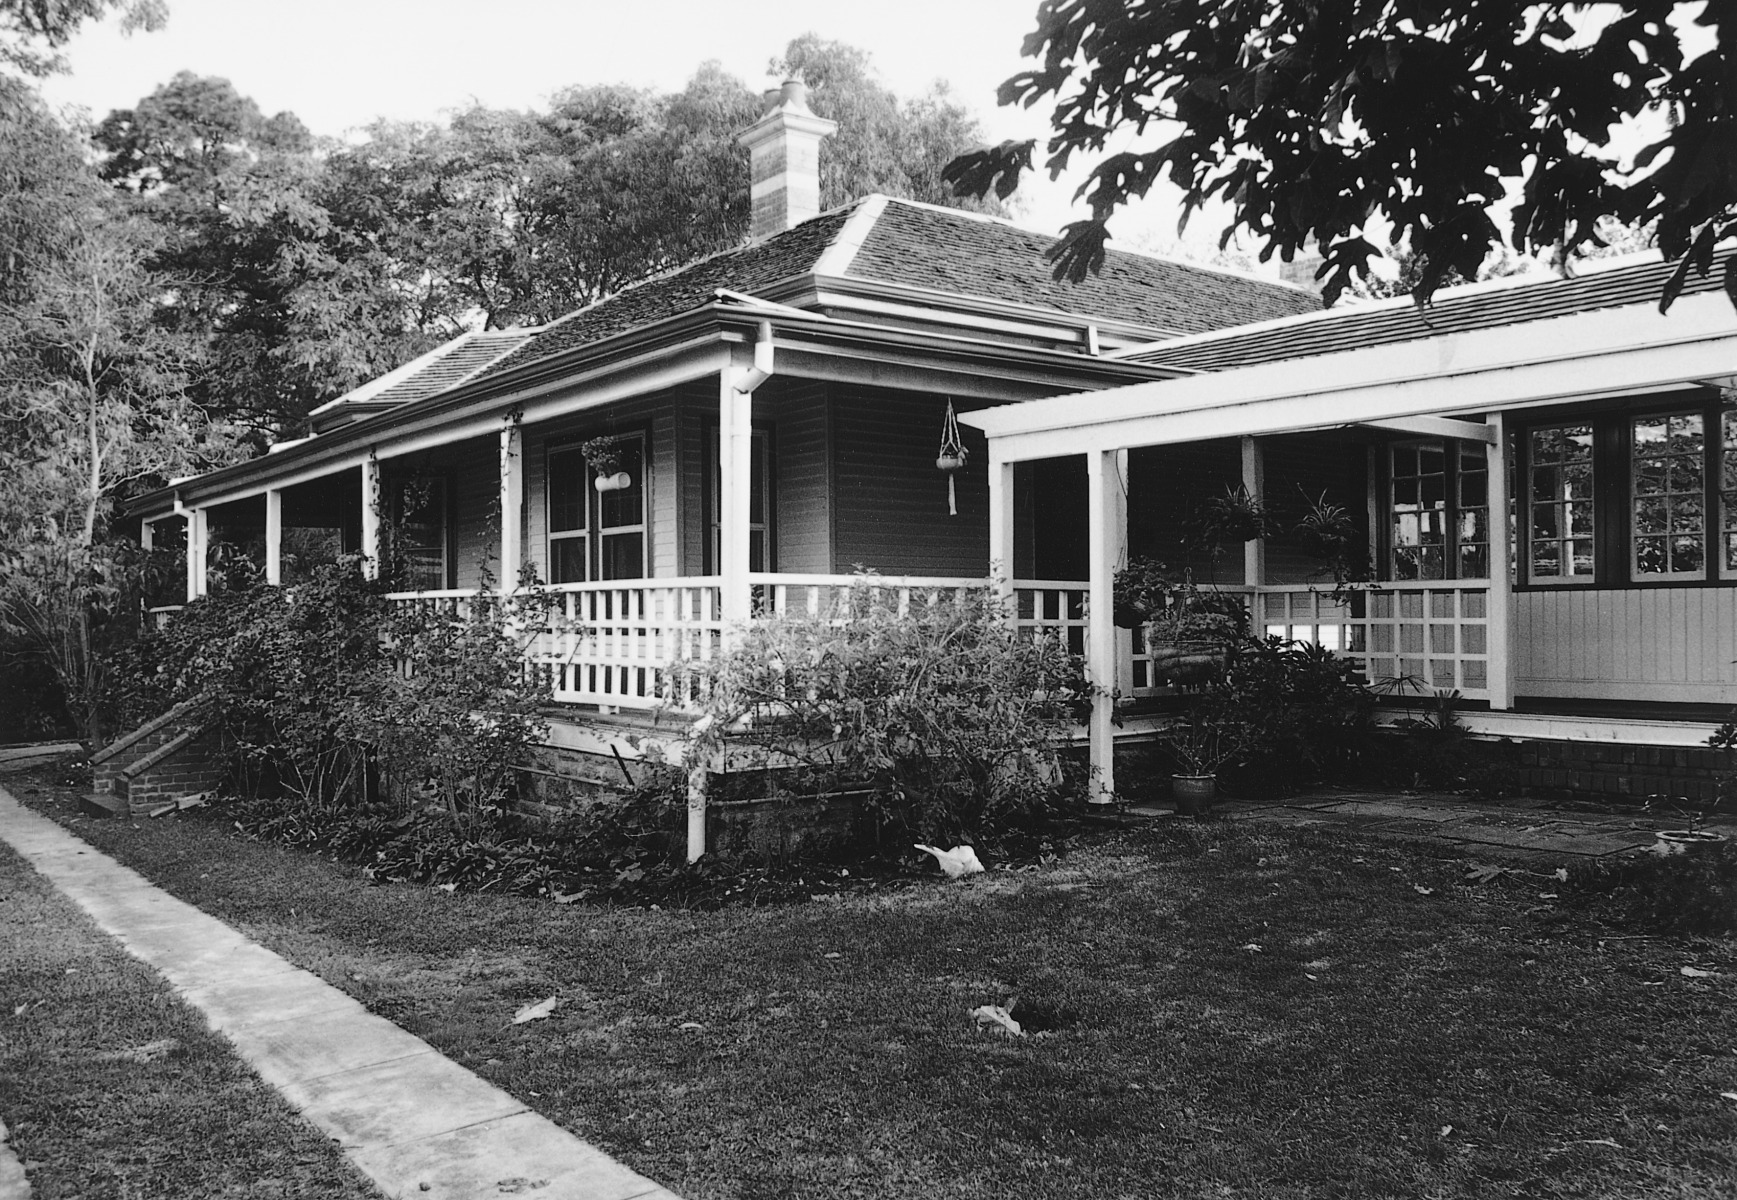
111	1087
1464	1041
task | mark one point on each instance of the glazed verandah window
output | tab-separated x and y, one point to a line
1678	517
1440	511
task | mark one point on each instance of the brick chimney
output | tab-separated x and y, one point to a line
784	159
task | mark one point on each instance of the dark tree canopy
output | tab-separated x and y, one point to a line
1311	117
33	31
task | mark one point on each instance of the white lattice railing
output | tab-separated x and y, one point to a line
1426	634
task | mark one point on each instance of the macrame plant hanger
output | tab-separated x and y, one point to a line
951	456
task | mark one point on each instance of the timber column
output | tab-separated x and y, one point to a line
1105	539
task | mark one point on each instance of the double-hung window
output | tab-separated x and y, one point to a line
1560	503
596	534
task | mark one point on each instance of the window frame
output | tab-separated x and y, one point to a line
1614	491
441	480
591	534
712	497
1454	452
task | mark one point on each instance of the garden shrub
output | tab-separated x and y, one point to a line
1692	893
331	696
949	720
1297	713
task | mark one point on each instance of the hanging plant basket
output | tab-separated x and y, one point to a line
1188	661
951	456
614	482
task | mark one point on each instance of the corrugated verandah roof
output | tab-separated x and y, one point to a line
939	250
1475	307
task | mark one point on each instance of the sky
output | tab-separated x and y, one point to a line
338	64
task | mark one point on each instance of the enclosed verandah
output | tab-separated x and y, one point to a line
1478	633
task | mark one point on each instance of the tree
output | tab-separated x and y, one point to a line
1312	117
92	403
883	144
31	31
294	306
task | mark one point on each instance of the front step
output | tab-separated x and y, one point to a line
104	804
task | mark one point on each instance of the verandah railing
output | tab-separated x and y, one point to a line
632	644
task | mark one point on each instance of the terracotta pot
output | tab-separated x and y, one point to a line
1194	794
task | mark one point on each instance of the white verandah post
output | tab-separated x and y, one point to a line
735	468
371	517
1001	529
1104	540
1499	618
274	536
512	503
198	531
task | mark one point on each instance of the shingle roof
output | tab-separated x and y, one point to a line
1476	307
745	269
477	351
954	252
922	246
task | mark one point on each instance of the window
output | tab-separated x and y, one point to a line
569	510
1668	470
1439	511
1560	498
1626	497
419	533
592	534
759	488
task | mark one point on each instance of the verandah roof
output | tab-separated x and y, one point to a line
1605	352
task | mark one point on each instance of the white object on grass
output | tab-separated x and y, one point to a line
959	861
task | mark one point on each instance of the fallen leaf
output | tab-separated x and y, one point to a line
1729	1095
1562	874
833	954
569	897
447	887
1483	874
1421	890
1549	896
519	1183
1697	973
536	1012
1446	1129
693	1025
1252	948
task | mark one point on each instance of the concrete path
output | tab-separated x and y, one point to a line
1531	830
410	1120
13	1184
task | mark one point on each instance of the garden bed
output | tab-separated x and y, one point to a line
1253	1011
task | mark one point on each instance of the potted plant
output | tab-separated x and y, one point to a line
1189	639
603	456
1142	590
1328	533
1200	745
1231	519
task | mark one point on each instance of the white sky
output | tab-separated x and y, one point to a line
338	64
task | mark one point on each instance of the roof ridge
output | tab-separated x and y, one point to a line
836	258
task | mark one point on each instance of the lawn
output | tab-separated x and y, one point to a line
1247	1011
113	1088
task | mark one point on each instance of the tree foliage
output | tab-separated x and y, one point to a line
33	31
1311	118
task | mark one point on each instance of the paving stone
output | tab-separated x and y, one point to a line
402	1100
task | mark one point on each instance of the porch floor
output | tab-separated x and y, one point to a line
1534	830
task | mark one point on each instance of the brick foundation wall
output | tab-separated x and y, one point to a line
1607	771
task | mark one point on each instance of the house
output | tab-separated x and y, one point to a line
774	410
1548	473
